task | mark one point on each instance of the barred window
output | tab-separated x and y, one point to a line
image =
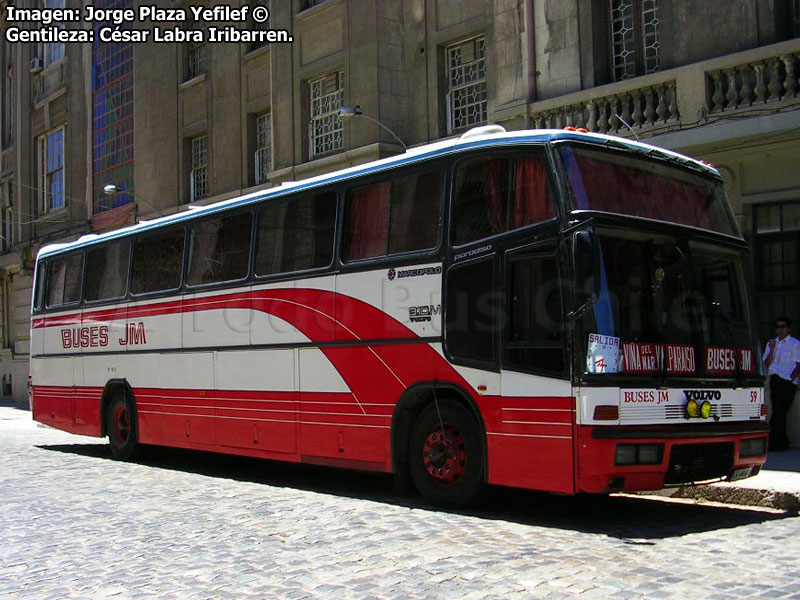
198	182
635	45
263	154
776	237
51	171
196	60
325	128
466	76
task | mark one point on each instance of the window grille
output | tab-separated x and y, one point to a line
325	128
466	96
51	169
776	238
196	60
199	168
263	156
635	44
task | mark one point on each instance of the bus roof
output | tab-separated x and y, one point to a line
489	136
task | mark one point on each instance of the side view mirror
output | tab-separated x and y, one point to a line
585	252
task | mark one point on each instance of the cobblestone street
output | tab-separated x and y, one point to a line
77	524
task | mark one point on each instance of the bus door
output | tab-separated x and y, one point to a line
536	419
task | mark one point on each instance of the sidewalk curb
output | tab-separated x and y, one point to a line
731	494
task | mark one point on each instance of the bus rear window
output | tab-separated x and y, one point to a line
157	262
64	280
494	195
219	250
107	271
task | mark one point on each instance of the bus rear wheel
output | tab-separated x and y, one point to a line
446	455
121	427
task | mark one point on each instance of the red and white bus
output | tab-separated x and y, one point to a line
552	310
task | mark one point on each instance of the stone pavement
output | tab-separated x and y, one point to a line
75	524
776	486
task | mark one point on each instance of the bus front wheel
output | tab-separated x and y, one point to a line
445	454
121	427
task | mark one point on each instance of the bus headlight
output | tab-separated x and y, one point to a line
705	409
692	409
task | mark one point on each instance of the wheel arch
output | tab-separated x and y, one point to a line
410	405
111	388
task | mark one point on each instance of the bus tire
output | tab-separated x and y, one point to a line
123	436
446	464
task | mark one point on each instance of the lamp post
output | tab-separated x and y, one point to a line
111	190
348	112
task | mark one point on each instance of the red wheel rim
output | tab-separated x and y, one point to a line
120	425
445	454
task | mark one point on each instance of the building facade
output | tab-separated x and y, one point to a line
97	135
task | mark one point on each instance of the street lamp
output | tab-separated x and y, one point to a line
111	189
348	112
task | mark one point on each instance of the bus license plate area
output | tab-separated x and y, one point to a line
738	474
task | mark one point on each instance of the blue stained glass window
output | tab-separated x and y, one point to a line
112	115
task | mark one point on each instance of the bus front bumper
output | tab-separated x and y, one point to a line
636	458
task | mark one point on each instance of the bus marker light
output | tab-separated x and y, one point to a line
582	130
570	128
606	412
626	455
753	447
482	388
692	409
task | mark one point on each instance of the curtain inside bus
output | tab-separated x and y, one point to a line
495	195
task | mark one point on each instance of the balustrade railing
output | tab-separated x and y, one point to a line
639	108
752	81
770	80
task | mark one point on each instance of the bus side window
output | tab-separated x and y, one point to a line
295	234
157	262
38	299
494	195
107	271
219	250
394	216
471	319
64	279
535	333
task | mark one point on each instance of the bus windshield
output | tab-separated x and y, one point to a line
668	306
624	183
